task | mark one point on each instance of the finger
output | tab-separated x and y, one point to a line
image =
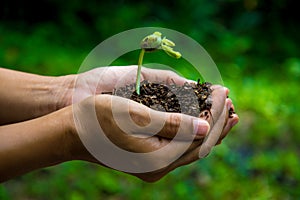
214	134
183	160
168	125
219	95
157	75
171	150
138	120
179	160
181	126
229	125
232	120
191	155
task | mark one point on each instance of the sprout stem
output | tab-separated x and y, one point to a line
138	75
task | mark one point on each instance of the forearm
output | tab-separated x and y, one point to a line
36	143
26	96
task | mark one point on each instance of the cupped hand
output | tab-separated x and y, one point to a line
106	79
138	129
220	125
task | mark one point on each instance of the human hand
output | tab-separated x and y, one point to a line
56	137
220	124
106	79
108	110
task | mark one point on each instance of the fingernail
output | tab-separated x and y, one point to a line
229	104
234	122
227	91
201	127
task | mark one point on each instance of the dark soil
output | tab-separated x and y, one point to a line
190	99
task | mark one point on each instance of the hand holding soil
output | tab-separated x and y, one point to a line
195	128
106	80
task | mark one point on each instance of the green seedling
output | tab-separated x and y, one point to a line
152	43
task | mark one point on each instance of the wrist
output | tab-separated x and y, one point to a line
73	147
61	90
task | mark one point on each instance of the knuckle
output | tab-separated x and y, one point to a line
173	123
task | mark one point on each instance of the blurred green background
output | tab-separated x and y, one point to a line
255	45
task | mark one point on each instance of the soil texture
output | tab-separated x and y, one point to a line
190	98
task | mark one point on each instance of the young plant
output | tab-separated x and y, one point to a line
152	43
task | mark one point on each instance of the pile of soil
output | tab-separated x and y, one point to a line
190	99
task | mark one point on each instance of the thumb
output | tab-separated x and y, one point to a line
158	75
181	126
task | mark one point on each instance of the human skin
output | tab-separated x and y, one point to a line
38	127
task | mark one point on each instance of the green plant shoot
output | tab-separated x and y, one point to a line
152	43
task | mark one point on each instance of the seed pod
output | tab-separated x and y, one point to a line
151	42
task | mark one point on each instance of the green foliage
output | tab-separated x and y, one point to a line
254	43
